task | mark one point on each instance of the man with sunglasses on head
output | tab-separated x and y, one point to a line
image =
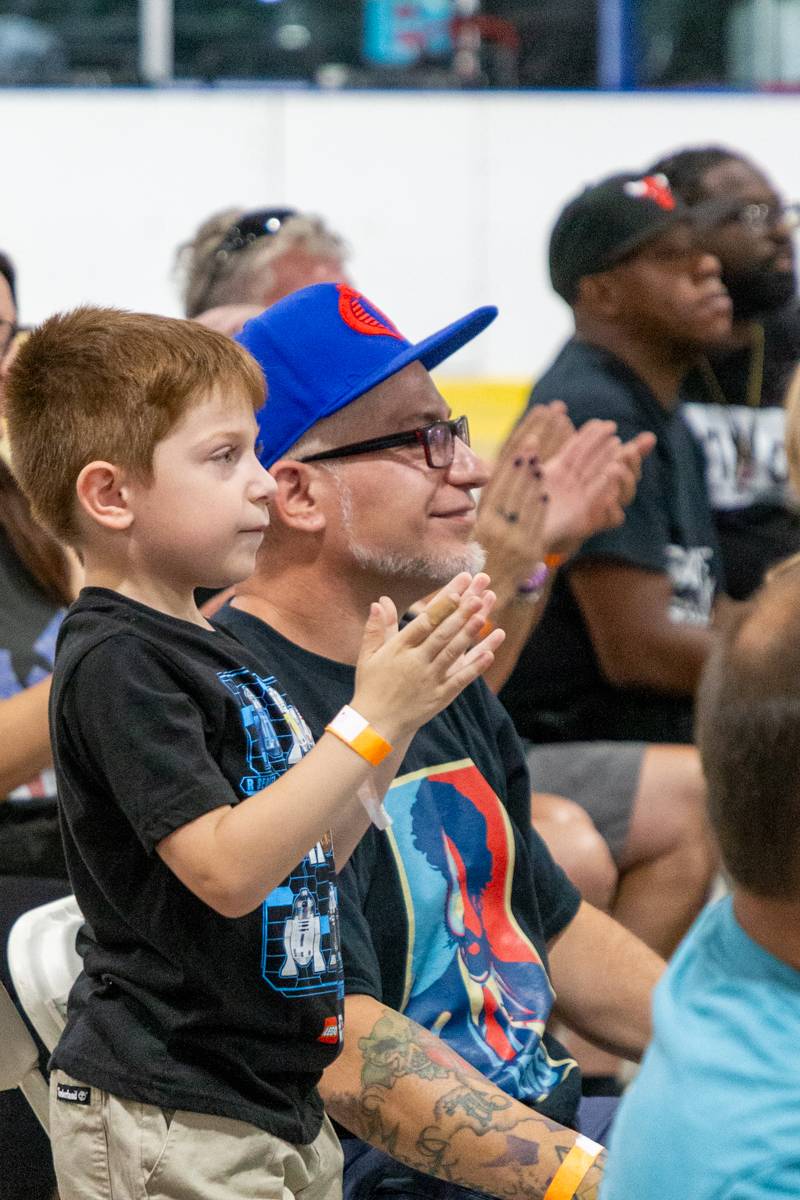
734	396
240	262
456	924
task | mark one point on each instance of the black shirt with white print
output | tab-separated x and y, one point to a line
558	691
156	721
734	407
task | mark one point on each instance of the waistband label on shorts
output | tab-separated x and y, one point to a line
73	1094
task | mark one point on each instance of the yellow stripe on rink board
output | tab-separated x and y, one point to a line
492	405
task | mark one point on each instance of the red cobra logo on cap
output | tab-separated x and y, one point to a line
652	187
353	313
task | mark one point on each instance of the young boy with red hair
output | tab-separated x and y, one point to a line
211	995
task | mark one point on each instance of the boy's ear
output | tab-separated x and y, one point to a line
103	495
297	500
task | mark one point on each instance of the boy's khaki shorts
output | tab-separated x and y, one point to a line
106	1148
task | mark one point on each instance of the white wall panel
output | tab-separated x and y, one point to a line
446	199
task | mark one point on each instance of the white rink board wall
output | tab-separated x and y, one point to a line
446	199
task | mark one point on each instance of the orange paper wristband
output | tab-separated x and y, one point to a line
553	562
573	1169
357	733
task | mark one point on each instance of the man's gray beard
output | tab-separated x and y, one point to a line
433	568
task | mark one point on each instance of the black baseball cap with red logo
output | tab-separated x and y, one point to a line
608	221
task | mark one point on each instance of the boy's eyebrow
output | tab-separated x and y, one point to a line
223	437
232	432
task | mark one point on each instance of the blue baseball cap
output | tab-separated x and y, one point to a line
326	345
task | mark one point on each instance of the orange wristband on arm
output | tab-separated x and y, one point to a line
357	733
573	1169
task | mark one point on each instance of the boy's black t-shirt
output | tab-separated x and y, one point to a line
156	721
557	691
446	915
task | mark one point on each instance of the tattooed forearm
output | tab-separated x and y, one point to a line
403	1090
365	1121
390	1052
481	1107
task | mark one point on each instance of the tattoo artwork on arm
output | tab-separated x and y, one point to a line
388	1056
482	1109
460	1128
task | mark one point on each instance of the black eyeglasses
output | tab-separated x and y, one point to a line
758	218
437	440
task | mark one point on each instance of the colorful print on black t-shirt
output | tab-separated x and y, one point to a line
300	939
472	974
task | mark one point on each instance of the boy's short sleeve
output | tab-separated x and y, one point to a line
129	729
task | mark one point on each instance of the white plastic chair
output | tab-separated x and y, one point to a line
19	1062
44	964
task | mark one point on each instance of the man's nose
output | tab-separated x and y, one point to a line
706	264
467	468
782	228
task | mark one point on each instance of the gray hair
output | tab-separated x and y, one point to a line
210	278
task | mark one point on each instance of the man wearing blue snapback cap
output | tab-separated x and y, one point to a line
450	917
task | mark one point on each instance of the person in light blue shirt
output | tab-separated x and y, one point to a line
714	1113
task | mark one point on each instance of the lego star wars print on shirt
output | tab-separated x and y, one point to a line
300	940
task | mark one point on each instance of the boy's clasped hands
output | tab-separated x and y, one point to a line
404	677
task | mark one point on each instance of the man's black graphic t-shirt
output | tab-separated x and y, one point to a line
736	413
557	691
156	721
446	915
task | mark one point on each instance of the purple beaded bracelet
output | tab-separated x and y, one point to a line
534	585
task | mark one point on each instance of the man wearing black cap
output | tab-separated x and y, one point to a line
449	918
619	651
604	687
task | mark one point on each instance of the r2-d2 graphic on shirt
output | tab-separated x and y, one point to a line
300	927
301	951
302	937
